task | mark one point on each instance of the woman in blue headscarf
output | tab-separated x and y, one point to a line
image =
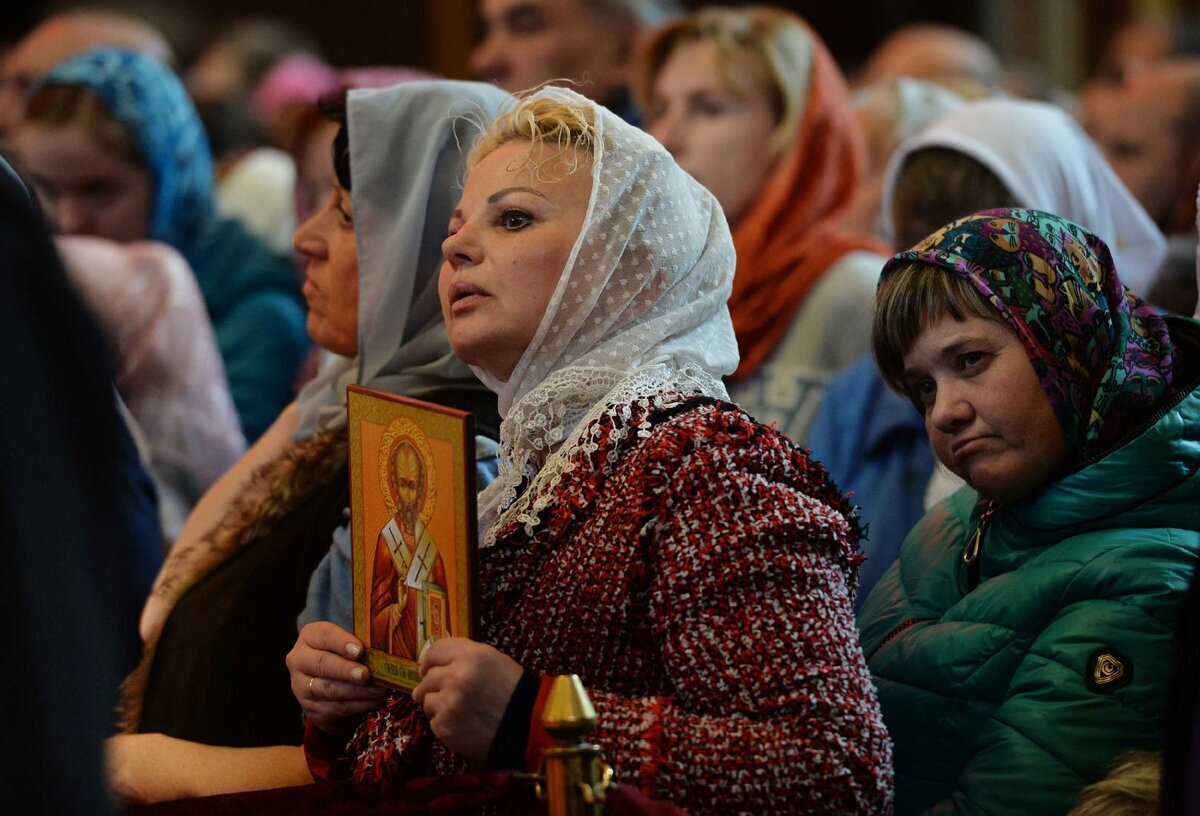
116	150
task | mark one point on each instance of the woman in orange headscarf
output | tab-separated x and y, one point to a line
750	102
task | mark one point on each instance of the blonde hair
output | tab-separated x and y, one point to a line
777	40
1130	789
545	122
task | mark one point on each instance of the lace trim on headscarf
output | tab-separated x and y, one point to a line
566	407
640	309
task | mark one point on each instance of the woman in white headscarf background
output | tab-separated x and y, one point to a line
692	566
223	612
989	154
889	113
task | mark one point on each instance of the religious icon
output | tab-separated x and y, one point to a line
412	522
407	564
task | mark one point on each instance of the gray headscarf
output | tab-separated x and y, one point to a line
408	149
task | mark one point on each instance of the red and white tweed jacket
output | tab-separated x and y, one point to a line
698	579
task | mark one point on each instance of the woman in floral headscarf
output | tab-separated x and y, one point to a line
692	566
1030	615
995	153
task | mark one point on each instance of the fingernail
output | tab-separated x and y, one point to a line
424	651
359	673
353	649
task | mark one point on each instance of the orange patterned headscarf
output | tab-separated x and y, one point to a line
793	232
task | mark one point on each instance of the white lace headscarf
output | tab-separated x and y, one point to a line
639	309
407	156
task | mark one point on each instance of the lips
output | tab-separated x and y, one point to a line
461	289
463	294
966	447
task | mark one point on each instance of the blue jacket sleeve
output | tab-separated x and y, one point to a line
262	341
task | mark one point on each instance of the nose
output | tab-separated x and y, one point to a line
666	129
487	59
71	217
461	248
307	239
951	409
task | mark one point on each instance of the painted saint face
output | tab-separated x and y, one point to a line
408	483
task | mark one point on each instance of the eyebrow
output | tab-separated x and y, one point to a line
496	196
951	350
519	11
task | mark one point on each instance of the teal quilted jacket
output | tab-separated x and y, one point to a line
1009	686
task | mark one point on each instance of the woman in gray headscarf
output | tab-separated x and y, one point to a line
222	614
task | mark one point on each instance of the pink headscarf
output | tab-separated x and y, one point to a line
305	79
168	369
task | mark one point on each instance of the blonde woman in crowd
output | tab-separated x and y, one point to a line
751	103
644	532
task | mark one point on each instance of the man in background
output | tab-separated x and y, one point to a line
941	54
1148	125
590	43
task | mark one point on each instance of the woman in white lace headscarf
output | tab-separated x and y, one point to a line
692	566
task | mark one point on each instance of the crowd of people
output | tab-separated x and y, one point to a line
839	430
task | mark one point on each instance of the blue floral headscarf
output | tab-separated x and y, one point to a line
149	100
1102	354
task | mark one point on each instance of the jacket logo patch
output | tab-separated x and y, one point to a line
1108	670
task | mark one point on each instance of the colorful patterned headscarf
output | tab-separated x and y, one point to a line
1102	354
150	101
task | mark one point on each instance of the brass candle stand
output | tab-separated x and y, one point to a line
576	778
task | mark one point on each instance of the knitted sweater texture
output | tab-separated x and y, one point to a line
697	575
